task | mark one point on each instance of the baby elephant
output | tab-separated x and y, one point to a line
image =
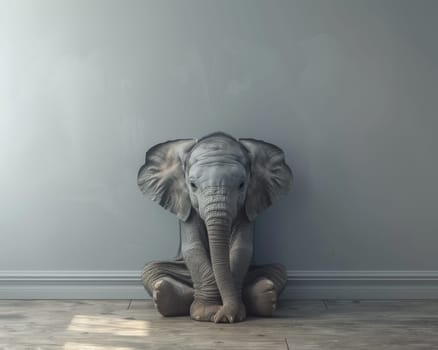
216	186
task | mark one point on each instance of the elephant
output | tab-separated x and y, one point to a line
216	186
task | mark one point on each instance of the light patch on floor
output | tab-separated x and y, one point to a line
110	325
82	346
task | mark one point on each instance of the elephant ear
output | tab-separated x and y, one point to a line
270	178
162	176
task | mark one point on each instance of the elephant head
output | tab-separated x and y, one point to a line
219	178
180	174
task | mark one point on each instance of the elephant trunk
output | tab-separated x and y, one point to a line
218	221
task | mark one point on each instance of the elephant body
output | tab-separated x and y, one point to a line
217	186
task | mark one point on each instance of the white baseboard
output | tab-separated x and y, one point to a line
71	285
301	285
362	285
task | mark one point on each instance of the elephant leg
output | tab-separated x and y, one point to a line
170	286
207	299
262	287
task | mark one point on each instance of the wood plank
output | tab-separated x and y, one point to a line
127	325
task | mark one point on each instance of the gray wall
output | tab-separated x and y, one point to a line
347	88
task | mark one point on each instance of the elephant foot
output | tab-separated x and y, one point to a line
261	297
172	298
203	311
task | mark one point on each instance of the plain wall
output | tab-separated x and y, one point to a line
349	89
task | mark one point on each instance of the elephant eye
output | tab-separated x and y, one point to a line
193	185
242	184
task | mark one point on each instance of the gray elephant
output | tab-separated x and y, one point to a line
216	186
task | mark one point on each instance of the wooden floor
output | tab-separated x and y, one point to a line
134	324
